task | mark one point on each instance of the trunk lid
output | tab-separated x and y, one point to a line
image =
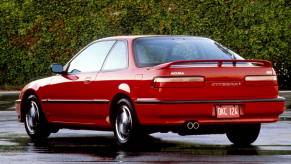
216	80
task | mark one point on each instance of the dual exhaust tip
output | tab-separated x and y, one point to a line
192	125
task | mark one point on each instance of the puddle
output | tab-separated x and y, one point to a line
104	146
7	143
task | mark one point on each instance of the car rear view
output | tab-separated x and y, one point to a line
194	85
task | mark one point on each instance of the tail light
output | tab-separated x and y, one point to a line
178	82
261	80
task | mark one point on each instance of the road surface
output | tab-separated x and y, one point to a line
81	146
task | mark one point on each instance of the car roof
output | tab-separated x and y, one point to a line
143	36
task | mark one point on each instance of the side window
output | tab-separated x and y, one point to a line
117	58
91	58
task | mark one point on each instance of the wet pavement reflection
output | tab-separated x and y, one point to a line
75	146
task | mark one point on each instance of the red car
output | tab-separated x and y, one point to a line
136	85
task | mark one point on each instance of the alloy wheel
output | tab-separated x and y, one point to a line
123	124
32	117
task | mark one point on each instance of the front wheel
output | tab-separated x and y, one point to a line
125	124
35	123
243	135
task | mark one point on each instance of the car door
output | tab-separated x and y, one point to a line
72	96
114	75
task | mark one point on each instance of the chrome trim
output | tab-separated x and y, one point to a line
156	101
97	101
179	79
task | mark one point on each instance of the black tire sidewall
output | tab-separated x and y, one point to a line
133	133
243	135
42	130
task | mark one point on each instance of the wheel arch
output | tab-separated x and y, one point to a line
26	94
114	101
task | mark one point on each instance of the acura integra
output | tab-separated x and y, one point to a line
137	85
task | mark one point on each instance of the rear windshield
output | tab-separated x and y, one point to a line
151	51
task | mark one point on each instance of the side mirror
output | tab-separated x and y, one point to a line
57	68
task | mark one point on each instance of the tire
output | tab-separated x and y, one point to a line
243	135
124	123
35	123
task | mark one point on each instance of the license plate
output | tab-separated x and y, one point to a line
227	111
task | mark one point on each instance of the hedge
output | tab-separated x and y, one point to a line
36	33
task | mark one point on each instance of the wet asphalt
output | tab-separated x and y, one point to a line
81	146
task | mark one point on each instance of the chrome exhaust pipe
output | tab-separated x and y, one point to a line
190	125
196	125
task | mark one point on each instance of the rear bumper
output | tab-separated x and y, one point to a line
166	112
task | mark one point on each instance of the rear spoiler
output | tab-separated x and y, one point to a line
263	63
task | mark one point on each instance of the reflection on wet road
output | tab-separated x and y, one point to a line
273	146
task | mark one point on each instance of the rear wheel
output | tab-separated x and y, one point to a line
243	135
124	123
35	123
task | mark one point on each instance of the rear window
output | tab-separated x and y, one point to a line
151	51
